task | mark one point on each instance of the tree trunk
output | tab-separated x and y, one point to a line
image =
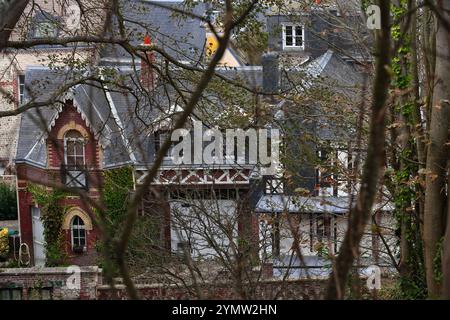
10	13
362	211
446	254
435	197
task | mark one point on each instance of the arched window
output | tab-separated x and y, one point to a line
78	230
74	157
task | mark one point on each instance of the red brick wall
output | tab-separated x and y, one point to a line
55	146
52	175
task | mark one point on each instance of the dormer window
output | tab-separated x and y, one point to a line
74	154
44	26
293	36
44	29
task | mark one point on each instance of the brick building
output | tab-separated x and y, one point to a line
96	126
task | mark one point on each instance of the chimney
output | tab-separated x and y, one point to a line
147	72
271	72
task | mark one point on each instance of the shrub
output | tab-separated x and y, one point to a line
8	202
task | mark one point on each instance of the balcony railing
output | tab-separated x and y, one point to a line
74	176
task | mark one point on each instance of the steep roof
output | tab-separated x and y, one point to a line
121	120
91	103
182	37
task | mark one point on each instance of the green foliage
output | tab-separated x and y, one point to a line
117	185
8	202
52	213
404	183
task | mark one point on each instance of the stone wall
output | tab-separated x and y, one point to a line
54	283
265	290
58	284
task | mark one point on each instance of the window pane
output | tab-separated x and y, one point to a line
289	30
79	148
71	161
289	35
21	88
82	237
289	40
70	147
79	161
298	41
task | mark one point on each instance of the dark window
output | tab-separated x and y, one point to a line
78	234
11	294
289	36
293	36
323	228
298	36
21	82
184	247
332	174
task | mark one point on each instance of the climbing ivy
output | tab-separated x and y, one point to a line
117	186
52	213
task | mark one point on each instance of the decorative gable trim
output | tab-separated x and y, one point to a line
70	96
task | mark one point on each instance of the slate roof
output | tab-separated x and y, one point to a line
122	122
181	37
42	85
297	204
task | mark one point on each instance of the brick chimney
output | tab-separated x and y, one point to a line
147	73
271	72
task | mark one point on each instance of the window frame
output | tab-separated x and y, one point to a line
79	227
81	139
20	88
73	172
294	36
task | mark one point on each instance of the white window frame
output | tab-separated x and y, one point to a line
21	85
75	172
294	44
79	227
